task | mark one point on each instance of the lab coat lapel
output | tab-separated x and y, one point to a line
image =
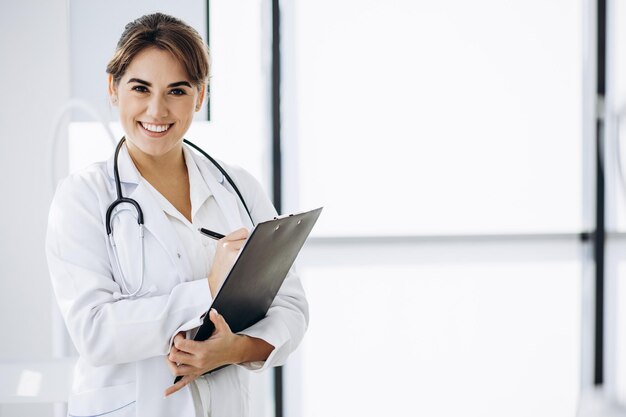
157	223
155	220
226	200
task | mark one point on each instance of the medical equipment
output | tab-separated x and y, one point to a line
121	200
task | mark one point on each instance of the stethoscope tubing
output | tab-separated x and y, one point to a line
120	198
224	173
140	221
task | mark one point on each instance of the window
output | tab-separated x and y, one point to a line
435	117
440	329
615	287
445	141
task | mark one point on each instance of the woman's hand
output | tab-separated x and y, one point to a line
191	359
227	250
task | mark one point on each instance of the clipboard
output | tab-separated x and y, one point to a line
258	272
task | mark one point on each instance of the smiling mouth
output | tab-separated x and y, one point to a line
150	127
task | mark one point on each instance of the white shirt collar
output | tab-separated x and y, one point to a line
199	192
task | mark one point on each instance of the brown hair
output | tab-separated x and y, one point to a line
168	34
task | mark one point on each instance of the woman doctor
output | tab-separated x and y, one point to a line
131	308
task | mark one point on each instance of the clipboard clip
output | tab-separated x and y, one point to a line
284	216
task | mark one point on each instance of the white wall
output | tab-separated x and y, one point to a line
35	83
92	44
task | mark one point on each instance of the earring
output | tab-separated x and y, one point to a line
114	100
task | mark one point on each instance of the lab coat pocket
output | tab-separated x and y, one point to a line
116	401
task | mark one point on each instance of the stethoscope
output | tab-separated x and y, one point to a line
121	200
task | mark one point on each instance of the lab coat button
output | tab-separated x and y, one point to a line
178	255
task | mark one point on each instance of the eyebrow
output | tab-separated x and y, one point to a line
148	84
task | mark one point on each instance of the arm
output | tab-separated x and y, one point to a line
287	318
190	359
104	330
265	344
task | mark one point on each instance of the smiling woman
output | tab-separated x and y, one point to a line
156	100
131	317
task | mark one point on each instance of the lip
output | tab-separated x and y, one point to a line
155	134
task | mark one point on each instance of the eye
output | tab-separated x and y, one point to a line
178	92
140	89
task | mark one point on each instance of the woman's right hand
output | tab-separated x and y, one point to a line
227	250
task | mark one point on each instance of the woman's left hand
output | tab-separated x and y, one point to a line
191	359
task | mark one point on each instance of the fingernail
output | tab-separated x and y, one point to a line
214	310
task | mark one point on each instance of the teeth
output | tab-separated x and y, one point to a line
155	128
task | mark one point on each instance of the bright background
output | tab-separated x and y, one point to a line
451	144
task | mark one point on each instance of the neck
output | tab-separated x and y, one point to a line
151	166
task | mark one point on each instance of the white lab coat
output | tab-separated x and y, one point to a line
122	369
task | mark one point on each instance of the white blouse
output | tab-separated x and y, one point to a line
200	249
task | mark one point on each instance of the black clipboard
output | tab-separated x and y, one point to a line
259	271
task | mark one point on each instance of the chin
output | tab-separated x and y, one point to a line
155	147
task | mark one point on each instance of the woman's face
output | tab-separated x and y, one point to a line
156	102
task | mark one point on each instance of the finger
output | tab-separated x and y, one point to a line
241	233
173	351
236	245
219	321
186	345
178	370
177	340
233	245
171	365
181	370
181	357
180	384
180	336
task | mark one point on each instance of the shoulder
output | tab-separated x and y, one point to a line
82	187
91	175
244	179
76	217
252	191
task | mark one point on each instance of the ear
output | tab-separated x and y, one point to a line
201	93
112	90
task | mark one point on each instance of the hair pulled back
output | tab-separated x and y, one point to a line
167	33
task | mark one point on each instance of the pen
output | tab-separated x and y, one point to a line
210	233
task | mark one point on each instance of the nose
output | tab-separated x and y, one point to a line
157	107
